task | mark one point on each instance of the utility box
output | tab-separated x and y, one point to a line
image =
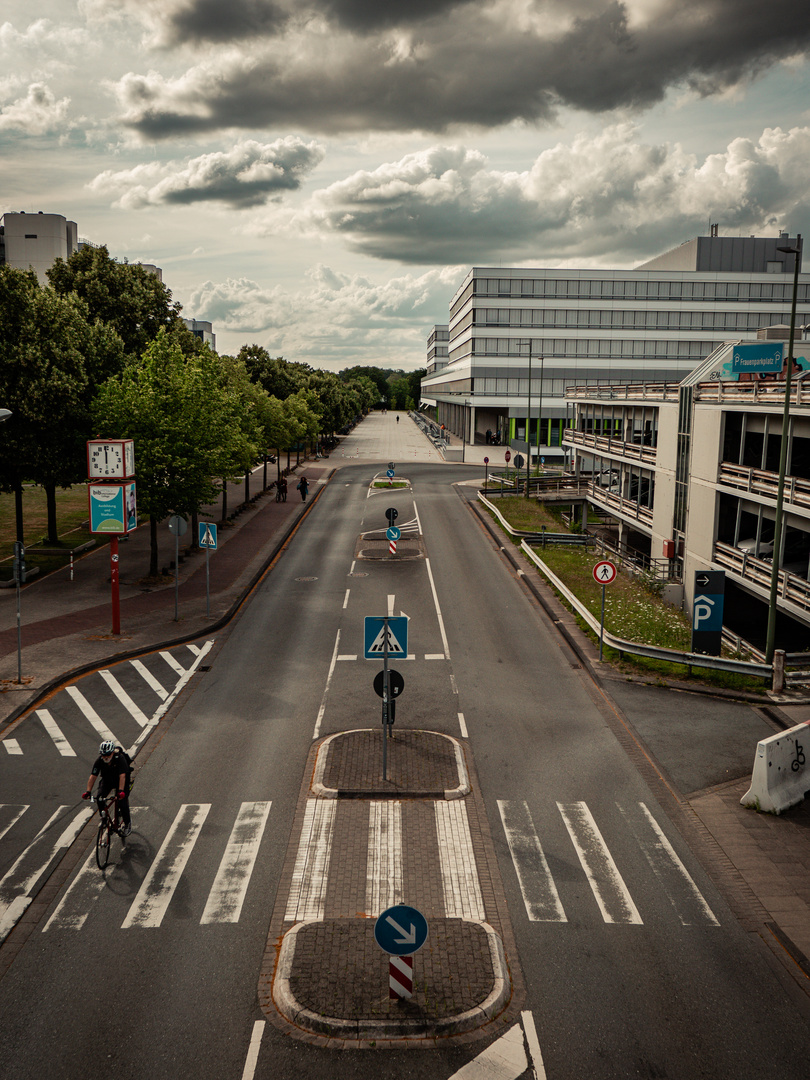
669	549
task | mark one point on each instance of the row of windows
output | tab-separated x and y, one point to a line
721	321
642	289
593	347
520	387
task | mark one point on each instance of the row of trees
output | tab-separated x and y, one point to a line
101	352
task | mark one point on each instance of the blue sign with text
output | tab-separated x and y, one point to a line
761	359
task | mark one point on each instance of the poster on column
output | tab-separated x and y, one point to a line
113	508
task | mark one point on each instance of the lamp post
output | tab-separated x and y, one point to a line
529	424
780	487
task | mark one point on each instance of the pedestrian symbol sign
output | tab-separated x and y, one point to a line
377	634
208	535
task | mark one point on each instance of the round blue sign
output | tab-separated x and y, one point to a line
390	473
401	930
393	533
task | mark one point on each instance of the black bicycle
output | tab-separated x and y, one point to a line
110	824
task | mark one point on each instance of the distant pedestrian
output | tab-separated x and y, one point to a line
397	419
489	436
303	487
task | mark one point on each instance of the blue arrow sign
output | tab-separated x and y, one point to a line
375	636
401	930
208	535
393	533
389	473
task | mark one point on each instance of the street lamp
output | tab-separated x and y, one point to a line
780	487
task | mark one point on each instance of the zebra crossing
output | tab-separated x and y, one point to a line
155	885
614	902
122	705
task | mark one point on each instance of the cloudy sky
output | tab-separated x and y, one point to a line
317	175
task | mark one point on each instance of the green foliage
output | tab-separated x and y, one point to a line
51	357
131	300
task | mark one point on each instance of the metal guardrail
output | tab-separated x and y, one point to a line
763	482
579	539
629	392
606	445
763	393
655	652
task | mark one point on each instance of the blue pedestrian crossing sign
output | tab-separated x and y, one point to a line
401	930
208	535
377	633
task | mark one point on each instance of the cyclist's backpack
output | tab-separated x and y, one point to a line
130	766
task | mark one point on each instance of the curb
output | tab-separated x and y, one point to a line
324	792
406	1029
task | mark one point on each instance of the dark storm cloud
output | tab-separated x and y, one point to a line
471	68
215	21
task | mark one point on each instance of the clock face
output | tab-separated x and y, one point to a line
106	459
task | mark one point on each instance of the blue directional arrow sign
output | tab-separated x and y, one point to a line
401	930
208	535
393	533
375	636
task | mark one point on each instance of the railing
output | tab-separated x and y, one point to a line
623	506
628	392
763	482
608	445
542	537
791	587
764	393
666	570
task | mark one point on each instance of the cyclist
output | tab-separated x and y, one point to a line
113	768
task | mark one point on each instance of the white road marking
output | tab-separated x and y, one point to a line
462	891
173	663
671	872
347	656
384	884
434	656
603	876
438	609
150	679
157	889
322	709
233	877
18	883
252	1058
55	732
12	746
391	605
73	909
540	894
505	1059
15	817
166	705
535	1056
462	725
116	687
90	714
309	879
346	599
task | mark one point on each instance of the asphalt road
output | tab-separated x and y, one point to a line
634	965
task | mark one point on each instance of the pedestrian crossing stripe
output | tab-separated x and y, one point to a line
377	647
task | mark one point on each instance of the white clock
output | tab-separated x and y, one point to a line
110	460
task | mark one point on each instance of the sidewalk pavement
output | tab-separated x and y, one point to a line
66	629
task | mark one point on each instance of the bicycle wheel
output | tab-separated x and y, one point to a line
103	845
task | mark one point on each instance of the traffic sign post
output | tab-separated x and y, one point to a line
19	577
390	474
401	931
486	472
393	534
385	635
207	539
604	573
177	526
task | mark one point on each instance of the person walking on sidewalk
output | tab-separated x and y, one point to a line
281	489
303	487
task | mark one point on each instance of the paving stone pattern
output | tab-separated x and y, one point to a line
419	762
449	975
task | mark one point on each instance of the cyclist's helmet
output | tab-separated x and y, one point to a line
106	748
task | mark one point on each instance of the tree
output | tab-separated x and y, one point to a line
182	418
277	376
132	300
52	357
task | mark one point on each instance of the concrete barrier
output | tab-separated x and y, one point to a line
780	778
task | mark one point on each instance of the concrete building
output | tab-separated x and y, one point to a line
687	473
597	327
35	241
202	330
